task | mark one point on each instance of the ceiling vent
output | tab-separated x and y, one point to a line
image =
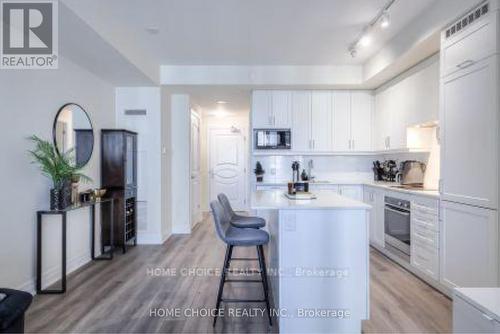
467	20
135	112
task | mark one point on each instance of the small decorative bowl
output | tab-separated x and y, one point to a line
98	193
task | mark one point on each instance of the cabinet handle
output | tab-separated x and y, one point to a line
466	64
349	143
274	120
440	186
424	237
314	144
389	141
352	144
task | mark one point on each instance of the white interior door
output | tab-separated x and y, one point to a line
195	170
227	166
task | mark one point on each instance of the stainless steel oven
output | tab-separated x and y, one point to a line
273	139
397	224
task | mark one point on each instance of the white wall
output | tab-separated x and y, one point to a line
180	125
29	101
166	160
148	127
238	119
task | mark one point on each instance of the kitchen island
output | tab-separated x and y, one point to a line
318	260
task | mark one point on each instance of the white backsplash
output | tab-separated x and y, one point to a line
336	169
326	168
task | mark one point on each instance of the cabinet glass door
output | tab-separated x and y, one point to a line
130	162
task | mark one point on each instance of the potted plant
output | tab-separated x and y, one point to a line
59	168
259	172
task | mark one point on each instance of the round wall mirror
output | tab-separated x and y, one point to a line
73	134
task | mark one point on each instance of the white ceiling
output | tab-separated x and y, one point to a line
246	32
205	98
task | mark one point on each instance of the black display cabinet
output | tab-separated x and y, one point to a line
119	177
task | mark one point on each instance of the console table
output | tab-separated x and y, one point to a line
105	255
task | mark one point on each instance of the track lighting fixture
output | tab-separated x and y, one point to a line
364	39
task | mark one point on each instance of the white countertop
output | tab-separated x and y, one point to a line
326	199
384	185
390	186
487	300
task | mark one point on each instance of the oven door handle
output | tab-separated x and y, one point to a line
403	213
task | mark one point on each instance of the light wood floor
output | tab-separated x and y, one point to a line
120	296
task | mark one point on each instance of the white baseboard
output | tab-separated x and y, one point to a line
28	286
52	275
165	237
145	238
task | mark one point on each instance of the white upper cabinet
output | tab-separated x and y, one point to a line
361	121
422	94
352	121
262	115
341	121
470	46
382	121
469	135
410	99
271	109
321	121
399	119
281	109
301	116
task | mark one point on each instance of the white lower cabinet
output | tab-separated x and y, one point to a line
270	187
467	318
425	236
469	246
351	191
375	198
330	187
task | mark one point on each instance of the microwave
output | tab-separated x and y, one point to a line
273	139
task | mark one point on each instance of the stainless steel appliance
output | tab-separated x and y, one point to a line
273	139
397	225
412	173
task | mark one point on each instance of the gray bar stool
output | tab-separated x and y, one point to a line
245	237
238	220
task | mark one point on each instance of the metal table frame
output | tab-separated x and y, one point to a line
108	255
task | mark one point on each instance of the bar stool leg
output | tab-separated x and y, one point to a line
227	259
263	274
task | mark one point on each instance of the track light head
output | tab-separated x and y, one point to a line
354	52
365	40
385	20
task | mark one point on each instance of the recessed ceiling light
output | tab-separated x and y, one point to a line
221	102
153	30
